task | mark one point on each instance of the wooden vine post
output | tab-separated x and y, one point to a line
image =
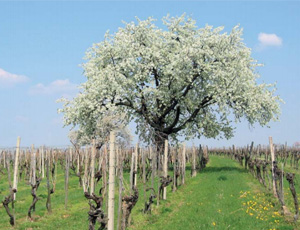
104	170
153	165
273	159
136	156
175	169
15	184
43	162
67	176
92	167
120	188
33	179
144	174
131	171
194	171
165	168
183	165
85	177
4	161
48	162
111	182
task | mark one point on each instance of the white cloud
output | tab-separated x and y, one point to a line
59	87
10	79
269	40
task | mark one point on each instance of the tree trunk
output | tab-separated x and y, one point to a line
159	141
111	187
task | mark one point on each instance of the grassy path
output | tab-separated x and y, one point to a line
223	196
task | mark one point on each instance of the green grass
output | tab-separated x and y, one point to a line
219	197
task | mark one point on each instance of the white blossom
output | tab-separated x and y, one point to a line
180	81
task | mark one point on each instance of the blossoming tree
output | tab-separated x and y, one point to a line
181	80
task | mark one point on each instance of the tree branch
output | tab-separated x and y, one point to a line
204	103
170	127
174	101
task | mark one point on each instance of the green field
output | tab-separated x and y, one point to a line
222	196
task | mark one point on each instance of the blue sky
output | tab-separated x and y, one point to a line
42	45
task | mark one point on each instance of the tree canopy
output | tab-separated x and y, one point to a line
180	80
101	131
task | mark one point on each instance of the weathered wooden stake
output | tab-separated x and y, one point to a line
15	184
153	171
273	159
104	170
120	190
136	163
183	165
159	174
43	162
175	169
111	187
33	167
132	171
92	168
165	168
194	171
48	202
67	176
144	174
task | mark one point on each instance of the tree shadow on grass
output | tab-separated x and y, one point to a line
223	169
